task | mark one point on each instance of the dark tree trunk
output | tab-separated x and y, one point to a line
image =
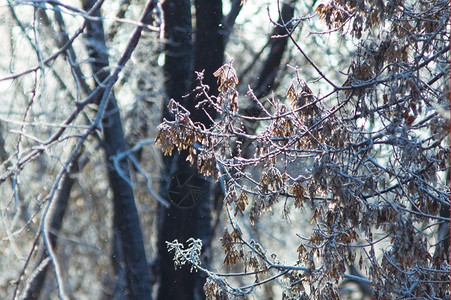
178	49
208	57
191	218
208	50
175	222
229	20
266	80
128	245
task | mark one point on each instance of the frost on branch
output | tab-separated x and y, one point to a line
190	255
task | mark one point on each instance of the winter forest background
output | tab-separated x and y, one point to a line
232	149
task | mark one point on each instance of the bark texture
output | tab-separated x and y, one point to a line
184	220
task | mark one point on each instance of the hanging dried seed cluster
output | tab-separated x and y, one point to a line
365	169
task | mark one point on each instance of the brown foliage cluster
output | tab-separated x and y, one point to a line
369	166
348	189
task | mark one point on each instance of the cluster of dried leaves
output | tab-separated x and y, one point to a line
371	165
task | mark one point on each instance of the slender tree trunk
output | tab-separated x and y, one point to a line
278	44
230	19
267	77
128	245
